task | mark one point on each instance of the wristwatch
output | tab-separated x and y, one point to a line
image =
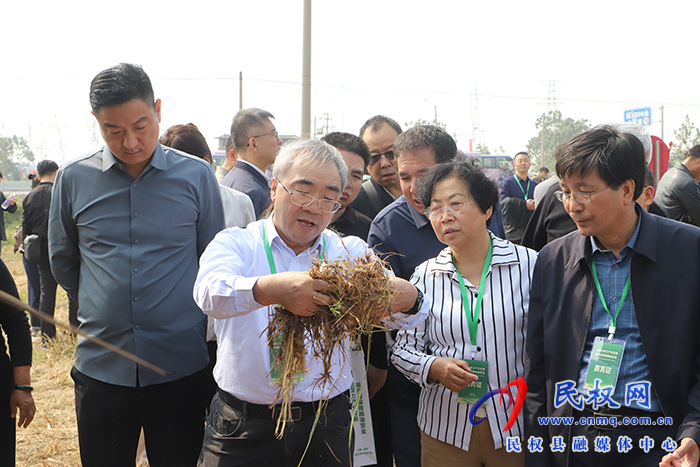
417	304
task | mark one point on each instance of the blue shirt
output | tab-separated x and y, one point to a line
515	187
612	275
133	247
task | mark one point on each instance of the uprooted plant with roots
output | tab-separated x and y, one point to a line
362	295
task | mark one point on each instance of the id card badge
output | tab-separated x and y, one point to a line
274	373
477	388
604	365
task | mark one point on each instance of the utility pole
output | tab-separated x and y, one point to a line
306	74
544	128
240	90
475	116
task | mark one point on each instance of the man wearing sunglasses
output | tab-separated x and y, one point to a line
257	143
379	133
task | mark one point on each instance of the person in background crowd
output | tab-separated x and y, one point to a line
379	133
7	205
128	223
229	161
445	353
31	269
542	175
35	220
348	221
16	403
517	198
257	143
678	192
238	209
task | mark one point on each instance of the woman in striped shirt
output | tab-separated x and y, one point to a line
479	288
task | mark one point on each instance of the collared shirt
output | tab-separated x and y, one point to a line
612	275
515	187
132	246
253	182
230	267
445	333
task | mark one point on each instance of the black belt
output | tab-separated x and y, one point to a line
299	409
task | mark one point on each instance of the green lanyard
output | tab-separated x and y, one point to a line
473	315
268	250
525	192
613	325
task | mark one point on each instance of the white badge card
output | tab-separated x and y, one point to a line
365	453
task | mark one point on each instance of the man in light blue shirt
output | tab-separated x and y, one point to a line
127	225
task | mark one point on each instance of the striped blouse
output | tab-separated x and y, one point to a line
445	333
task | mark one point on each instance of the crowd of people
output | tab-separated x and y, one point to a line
563	283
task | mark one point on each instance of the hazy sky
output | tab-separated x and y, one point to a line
405	59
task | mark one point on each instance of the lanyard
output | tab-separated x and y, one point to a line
613	325
473	315
268	250
525	192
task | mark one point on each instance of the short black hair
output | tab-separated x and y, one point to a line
244	122
693	152
616	157
481	188
348	142
378	121
649	177
427	136
46	167
544	169
120	84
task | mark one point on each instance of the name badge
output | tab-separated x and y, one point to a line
604	365
477	388
274	373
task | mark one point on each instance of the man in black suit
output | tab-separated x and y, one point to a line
257	142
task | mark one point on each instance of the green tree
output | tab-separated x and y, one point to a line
557	130
482	148
14	154
425	122
687	136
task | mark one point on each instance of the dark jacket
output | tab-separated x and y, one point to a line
679	194
35	214
371	199
665	273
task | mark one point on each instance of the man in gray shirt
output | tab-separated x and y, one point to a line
127	224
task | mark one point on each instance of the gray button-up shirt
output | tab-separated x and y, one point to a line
132	247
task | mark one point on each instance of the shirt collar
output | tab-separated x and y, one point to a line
257	169
157	159
274	238
418	218
628	249
504	253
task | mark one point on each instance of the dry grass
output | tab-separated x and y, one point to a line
362	294
52	438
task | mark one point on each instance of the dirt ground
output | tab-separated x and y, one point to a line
52	438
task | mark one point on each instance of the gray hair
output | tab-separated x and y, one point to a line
641	134
313	152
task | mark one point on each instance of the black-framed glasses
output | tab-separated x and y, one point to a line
374	158
582	197
305	200
273	133
435	212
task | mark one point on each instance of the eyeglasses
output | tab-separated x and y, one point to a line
273	133
580	196
305	200
435	212
374	158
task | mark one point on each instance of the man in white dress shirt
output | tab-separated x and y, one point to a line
243	274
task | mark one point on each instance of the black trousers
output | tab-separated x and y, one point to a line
47	296
7	434
110	419
234	439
